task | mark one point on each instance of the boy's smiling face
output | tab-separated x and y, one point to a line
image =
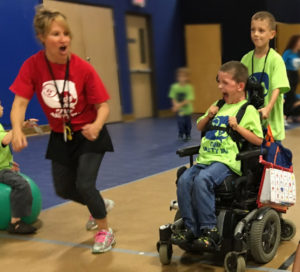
261	33
182	78
232	91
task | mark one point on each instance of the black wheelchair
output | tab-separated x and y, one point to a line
247	230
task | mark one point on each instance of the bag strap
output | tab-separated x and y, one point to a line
269	136
241	112
220	103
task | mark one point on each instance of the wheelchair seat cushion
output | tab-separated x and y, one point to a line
227	185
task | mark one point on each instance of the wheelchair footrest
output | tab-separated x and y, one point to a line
173	205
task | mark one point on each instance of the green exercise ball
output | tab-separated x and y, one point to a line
5	214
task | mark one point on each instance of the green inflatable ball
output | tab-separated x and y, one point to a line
5	214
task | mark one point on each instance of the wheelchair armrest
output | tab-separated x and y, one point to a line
188	151
245	155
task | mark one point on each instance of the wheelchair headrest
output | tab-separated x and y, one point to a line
255	93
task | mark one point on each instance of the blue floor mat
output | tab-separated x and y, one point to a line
142	148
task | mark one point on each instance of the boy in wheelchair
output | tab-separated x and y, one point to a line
217	157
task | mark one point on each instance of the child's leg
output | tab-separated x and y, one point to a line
20	201
184	196
20	197
181	125
188	126
203	195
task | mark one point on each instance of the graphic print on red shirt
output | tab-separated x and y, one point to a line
51	99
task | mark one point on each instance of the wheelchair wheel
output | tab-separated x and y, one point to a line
234	263
265	237
165	253
288	230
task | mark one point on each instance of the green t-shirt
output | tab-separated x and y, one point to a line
217	146
6	157
181	93
275	77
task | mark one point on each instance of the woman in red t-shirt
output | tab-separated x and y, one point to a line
74	100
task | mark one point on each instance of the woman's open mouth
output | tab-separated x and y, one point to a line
63	49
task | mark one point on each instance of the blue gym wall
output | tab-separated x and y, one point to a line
18	43
167	46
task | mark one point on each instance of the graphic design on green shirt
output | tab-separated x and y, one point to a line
6	157
274	77
217	146
180	93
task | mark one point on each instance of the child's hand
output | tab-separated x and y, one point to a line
265	112
15	167
30	122
212	111
175	107
233	122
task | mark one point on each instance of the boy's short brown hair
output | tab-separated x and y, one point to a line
237	69
265	15
183	70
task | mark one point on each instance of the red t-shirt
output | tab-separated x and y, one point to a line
83	89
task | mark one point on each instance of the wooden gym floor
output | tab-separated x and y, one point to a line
63	244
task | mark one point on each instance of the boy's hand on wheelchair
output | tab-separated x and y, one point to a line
212	111
233	122
264	112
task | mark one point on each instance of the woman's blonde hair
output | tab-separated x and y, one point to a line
43	19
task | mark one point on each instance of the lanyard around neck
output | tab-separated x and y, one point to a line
263	71
61	95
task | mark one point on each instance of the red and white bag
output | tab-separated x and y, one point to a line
278	187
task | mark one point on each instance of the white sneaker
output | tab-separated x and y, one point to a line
104	241
109	204
91	223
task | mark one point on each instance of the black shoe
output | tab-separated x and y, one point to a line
21	227
208	240
187	138
180	137
183	237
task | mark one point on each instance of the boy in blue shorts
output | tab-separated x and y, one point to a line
217	157
267	67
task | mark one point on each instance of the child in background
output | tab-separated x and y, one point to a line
20	196
291	57
182	95
266	66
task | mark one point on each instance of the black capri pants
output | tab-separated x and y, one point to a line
77	181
